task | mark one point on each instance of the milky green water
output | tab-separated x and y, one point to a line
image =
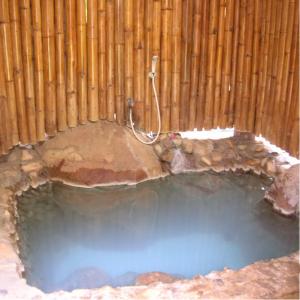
183	225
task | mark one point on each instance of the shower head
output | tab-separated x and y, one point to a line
154	62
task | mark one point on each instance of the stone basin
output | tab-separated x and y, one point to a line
119	159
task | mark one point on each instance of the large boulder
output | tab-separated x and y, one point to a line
284	192
99	154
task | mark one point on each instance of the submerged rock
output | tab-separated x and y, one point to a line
284	192
86	278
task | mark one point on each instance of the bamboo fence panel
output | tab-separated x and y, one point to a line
220	63
102	59
60	66
6	45
18	70
82	68
38	69
48	38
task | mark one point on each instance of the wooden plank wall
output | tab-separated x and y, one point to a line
221	63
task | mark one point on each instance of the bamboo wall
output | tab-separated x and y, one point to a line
221	63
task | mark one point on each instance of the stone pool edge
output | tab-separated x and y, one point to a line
24	168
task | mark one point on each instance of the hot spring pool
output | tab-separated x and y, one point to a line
182	225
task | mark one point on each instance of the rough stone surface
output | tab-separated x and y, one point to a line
284	192
117	152
152	277
97	154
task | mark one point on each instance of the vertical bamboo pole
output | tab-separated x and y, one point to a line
60	65
119	58
5	38
176	64
156	35
128	48
292	76
211	64
234	61
5	130
71	44
226	70
272	70
48	37
18	70
92	38
81	61
38	69
247	66
166	64
275	132
148	59
195	63
294	141
102	58
203	65
240	67
186	46
28	67
219	60
265	53
292	14
291	136
138	64
110	59
255	65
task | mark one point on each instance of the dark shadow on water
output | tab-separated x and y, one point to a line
185	225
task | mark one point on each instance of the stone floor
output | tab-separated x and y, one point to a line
26	167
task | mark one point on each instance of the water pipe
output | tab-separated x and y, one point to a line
152	76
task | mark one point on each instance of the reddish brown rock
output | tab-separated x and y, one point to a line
151	277
284	192
97	154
